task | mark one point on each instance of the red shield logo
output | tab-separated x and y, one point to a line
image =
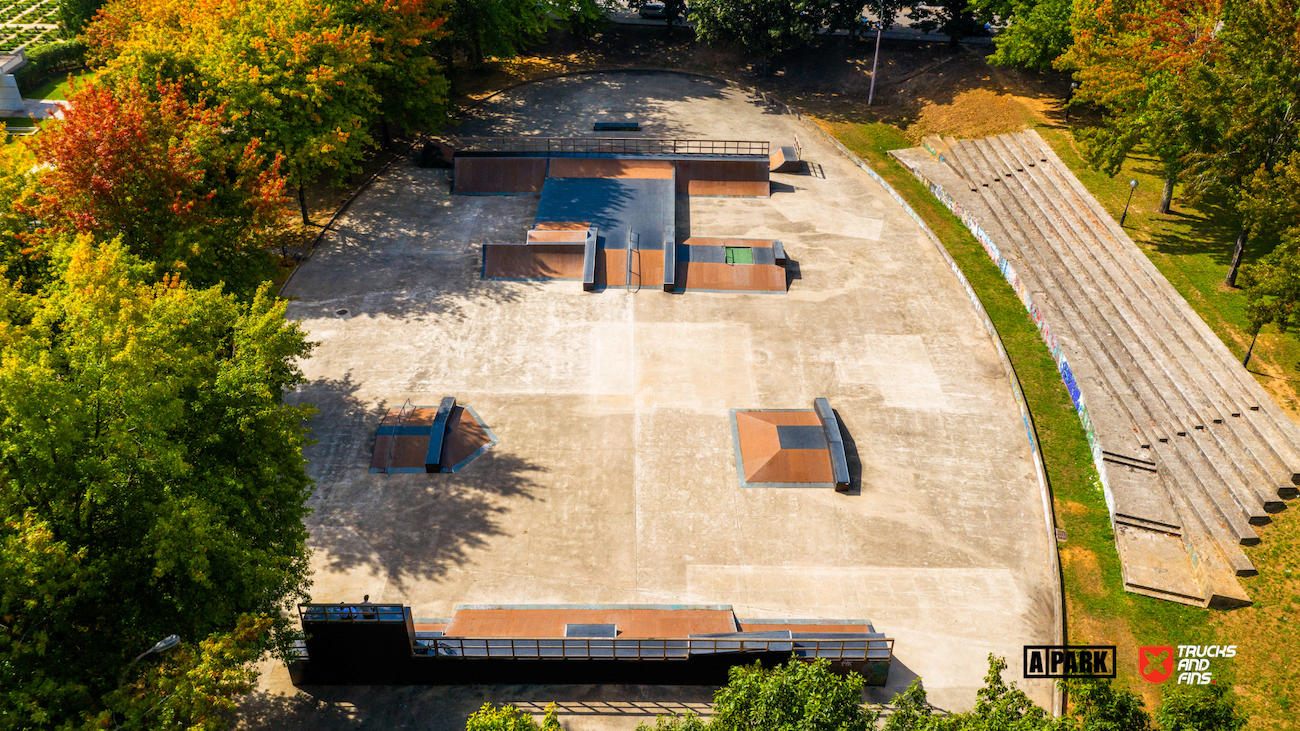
1156	663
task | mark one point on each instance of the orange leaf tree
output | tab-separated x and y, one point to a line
161	173
307	79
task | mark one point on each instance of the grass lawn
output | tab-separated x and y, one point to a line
59	86
1192	248
1098	610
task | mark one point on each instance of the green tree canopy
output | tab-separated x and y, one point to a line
1199	708
1037	32
762	28
1100	706
152	480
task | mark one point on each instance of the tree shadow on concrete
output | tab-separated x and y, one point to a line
409	526
567	106
407	249
445	708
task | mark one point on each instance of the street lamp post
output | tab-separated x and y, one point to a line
162	645
880	26
1132	186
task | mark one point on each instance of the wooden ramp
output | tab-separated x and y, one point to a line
785	160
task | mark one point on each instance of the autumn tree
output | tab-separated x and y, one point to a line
405	71
293	74
18	262
1210	87
1249	104
1139	61
163	175
151	483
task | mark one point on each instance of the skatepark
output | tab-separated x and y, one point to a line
614	479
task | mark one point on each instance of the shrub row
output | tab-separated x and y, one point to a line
48	59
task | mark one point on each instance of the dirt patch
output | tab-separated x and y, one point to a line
1071	508
1080	564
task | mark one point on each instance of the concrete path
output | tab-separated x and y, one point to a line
1192	451
614	481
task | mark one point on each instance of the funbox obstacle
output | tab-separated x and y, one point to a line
444	438
790	447
607	210
374	644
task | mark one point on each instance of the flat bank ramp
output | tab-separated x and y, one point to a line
1193	452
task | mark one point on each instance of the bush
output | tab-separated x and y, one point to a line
509	718
1199	708
48	59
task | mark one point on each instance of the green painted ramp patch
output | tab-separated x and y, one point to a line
740	255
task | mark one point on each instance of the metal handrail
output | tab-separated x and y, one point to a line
611	145
583	648
397	431
352	613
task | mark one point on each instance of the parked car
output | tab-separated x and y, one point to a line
653	11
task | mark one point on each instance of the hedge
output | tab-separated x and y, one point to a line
48	59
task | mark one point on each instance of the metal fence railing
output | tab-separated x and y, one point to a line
858	647
352	613
581	648
609	146
392	441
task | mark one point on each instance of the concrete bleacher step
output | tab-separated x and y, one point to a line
1255	445
1134	345
1224	510
1156	563
1231	470
1222	362
1163	320
1217	567
1250	454
1141	500
961	171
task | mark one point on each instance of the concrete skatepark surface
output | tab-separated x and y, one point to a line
614	480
